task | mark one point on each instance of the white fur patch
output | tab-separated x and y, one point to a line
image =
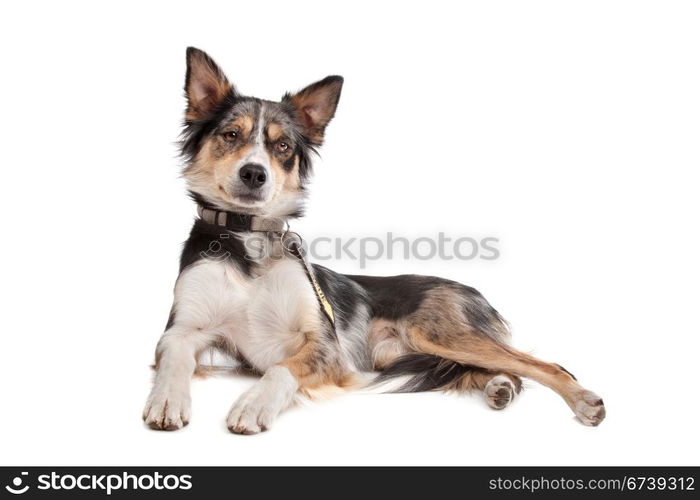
258	153
281	310
265	317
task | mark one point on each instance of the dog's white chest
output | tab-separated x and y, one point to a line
266	316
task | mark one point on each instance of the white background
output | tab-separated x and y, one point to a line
569	130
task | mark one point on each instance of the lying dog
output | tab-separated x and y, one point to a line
305	327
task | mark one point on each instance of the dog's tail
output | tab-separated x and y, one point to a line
424	372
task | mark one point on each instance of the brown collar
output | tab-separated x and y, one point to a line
238	222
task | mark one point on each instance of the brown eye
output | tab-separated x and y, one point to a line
282	147
230	136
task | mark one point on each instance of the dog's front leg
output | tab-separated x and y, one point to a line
255	410
168	406
317	363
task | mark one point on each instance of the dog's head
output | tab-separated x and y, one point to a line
246	154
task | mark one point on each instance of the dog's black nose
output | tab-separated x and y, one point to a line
253	175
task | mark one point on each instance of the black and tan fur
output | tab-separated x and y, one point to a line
252	156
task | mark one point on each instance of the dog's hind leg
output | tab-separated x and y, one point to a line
458	328
395	358
427	372
470	347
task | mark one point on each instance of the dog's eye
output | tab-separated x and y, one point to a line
282	147
230	136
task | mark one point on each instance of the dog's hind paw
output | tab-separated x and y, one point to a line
589	408
166	412
499	392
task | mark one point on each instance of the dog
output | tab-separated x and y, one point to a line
246	288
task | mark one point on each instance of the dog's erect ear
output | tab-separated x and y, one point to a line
315	106
205	84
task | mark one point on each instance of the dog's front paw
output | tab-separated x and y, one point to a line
258	406
252	413
167	410
589	408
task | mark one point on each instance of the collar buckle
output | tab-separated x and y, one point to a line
238	222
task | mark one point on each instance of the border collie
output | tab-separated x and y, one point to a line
246	288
